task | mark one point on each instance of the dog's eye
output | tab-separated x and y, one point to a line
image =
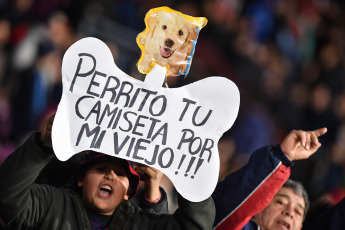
164	27
180	32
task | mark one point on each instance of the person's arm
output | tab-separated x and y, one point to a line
189	215
249	190
152	178
158	207
153	198
18	173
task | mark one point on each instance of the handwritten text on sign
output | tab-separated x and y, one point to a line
174	130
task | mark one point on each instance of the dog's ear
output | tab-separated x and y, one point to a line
151	21
187	47
193	32
189	43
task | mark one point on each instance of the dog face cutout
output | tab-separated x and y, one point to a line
169	40
175	130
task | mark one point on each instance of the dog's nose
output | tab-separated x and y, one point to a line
169	42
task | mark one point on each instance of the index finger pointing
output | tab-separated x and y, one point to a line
319	132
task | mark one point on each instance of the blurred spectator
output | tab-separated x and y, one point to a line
287	58
7	145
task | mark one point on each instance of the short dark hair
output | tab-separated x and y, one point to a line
299	189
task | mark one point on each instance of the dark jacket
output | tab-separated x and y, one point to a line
161	207
25	204
330	219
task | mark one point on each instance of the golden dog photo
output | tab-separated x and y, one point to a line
168	40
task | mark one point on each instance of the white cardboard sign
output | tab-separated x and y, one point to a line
175	130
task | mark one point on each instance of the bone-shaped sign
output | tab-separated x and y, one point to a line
175	130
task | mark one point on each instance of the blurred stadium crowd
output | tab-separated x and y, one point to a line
286	56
